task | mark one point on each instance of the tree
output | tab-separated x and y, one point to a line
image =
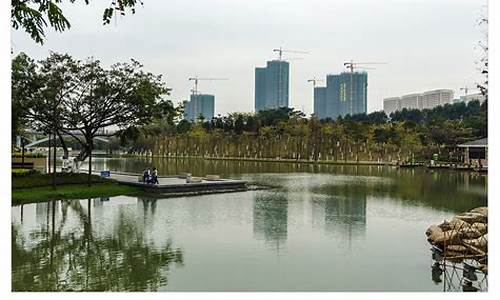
32	15
24	84
80	98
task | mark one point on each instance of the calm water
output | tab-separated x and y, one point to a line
323	228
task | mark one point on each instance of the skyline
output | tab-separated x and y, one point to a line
231	41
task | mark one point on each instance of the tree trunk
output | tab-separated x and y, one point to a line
90	166
54	164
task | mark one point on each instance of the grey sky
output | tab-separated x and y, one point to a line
428	44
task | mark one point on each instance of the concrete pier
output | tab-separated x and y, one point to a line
179	186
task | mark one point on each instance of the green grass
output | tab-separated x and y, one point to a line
41	180
38	188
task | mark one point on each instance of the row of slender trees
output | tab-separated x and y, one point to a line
287	134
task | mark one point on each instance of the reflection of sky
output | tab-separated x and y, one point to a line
295	237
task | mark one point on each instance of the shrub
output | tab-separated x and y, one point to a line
23	172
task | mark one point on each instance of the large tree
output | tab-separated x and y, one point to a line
81	98
34	16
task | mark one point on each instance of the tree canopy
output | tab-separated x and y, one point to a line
81	98
34	16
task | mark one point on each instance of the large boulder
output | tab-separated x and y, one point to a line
472	217
480	210
453	224
481	227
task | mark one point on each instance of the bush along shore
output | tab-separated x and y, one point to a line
464	237
38	188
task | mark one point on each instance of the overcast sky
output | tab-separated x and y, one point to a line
427	44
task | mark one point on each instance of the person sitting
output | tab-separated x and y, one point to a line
154	176
145	176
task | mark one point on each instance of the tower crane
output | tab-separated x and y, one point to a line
314	80
196	79
351	65
466	90
281	50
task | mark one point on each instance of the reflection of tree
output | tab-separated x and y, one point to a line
270	217
68	260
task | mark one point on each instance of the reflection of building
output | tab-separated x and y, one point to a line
199	105
270	218
344	94
271	85
346	215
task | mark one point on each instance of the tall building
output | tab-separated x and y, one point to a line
425	100
271	85
345	94
320	102
199	104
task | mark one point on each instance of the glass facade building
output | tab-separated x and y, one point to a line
345	94
199	104
271	85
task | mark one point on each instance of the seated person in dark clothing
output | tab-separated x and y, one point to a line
145	176
154	175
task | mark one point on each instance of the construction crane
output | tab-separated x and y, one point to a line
351	65
196	79
314	80
281	50
466	90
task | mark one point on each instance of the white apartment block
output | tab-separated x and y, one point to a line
412	101
435	98
391	105
425	100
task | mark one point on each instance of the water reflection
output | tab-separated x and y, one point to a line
57	255
346	215
270	218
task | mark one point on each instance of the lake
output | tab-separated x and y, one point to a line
320	228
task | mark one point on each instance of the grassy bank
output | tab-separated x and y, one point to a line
38	188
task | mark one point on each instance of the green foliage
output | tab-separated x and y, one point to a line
23	172
29	154
78	98
32	15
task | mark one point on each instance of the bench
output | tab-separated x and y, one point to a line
20	165
212	178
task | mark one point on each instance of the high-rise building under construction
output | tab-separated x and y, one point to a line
271	85
344	94
199	105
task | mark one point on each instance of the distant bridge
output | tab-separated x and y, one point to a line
36	140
